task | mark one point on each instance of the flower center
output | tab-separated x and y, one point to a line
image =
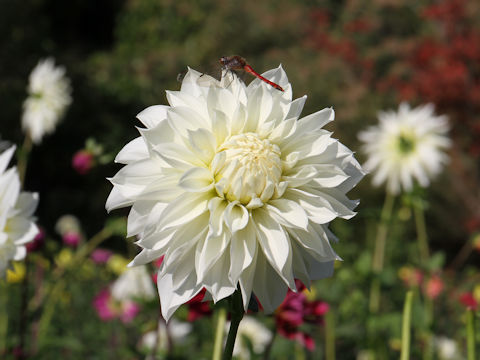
251	169
406	143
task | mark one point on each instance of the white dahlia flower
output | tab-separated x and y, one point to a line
16	209
255	332
48	98
405	146
234	189
178	331
134	283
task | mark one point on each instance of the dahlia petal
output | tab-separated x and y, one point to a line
203	143
26	204
21	229
116	200
145	256
217	207
5	158
289	213
184	209
217	281
182	119
153	115
236	216
275	245
135	150
138	216
243	249
246	280
171	298
196	179
296	107
20	253
210	248
268	285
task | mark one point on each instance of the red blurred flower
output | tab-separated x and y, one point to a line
198	308
297	310
37	242
468	301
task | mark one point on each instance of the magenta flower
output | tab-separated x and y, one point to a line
108	308
83	161
103	306
100	256
71	238
297	310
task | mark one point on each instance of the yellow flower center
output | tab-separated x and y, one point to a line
251	169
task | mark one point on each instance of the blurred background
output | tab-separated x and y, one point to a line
357	56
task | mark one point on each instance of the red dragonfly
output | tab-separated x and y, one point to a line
236	62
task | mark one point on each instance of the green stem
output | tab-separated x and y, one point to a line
218	344
299	351
23	158
330	335
428	337
379	251
236	309
407	316
422	237
4	317
471	334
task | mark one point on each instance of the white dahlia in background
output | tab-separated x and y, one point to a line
158	339
16	209
405	146
48	97
234	189
134	283
253	331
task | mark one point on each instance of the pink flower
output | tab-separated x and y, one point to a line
100	256
103	306
434	287
297	310
129	310
109	309
83	161
71	238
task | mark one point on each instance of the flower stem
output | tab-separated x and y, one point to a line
4	317
299	351
421	233
23	158
471	334
330	335
407	315
379	251
236	310
217	347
